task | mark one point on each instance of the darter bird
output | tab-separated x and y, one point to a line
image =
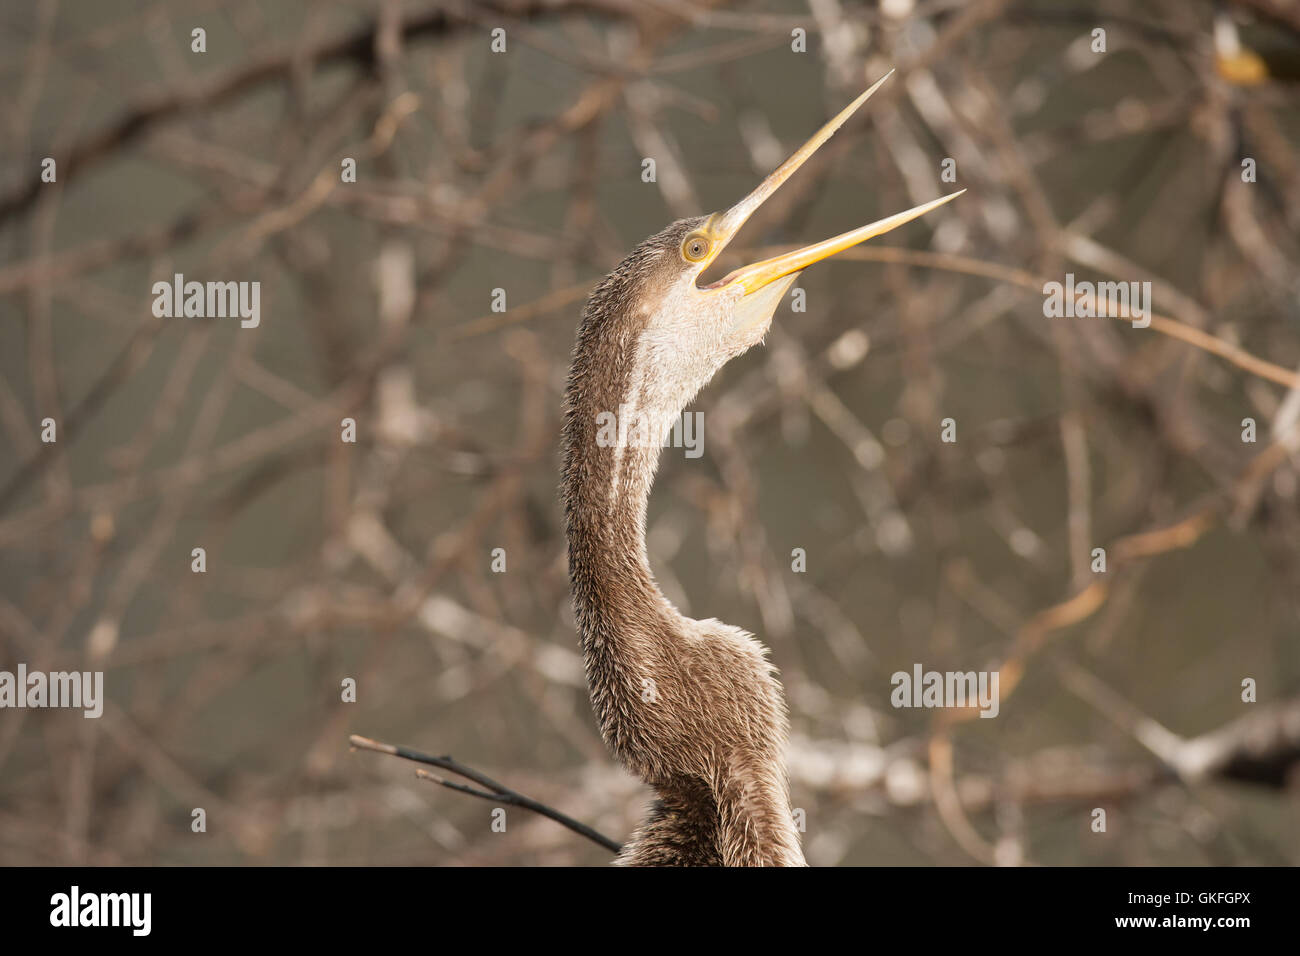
693	708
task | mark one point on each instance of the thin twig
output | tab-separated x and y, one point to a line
491	789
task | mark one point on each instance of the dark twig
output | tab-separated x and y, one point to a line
491	789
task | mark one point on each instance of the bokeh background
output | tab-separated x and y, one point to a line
522	170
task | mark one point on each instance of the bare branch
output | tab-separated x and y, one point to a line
491	789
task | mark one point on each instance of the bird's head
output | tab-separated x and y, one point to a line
656	332
686	329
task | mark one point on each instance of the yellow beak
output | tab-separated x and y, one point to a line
759	274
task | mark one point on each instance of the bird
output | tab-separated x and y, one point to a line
695	708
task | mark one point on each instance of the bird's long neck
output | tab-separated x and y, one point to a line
694	710
608	566
625	622
606	488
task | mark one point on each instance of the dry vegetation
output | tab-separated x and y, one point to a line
522	171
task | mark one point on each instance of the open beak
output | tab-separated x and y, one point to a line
760	274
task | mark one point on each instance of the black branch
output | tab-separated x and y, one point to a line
492	790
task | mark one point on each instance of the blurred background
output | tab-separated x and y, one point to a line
1115	156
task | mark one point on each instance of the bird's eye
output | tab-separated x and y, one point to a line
695	248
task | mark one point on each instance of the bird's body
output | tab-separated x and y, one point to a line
694	708
691	707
